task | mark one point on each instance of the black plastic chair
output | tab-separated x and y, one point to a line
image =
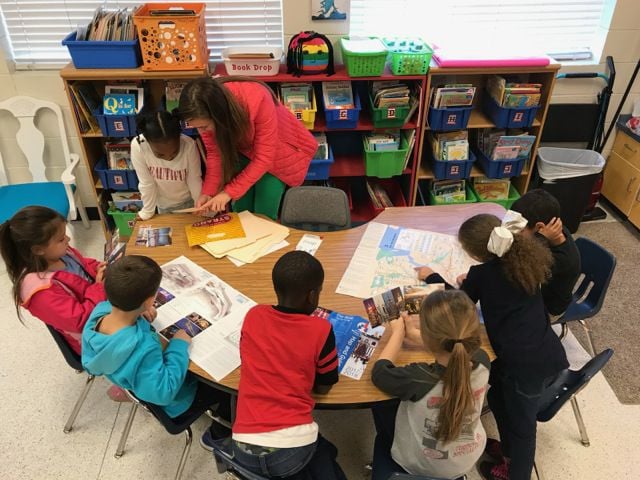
75	362
315	208
566	386
174	426
226	463
597	269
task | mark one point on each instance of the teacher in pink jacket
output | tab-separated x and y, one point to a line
254	144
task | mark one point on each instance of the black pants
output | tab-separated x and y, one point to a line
206	395
384	419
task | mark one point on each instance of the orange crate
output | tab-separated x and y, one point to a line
170	41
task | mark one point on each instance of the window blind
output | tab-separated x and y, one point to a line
545	26
36	28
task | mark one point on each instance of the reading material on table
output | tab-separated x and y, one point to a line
223	226
208	309
387	306
356	341
309	243
387	255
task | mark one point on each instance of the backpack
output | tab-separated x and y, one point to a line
310	53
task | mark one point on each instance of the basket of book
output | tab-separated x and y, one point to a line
384	193
172	36
450	155
500	191
341	106
391	103
300	99
445	192
510	104
503	155
322	160
116	125
115	178
363	57
385	154
452	169
125	221
408	56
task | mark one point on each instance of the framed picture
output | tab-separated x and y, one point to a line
329	9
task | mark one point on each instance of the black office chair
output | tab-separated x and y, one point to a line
566	386
315	208
225	462
75	362
597	269
174	426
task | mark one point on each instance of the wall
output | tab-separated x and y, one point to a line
623	43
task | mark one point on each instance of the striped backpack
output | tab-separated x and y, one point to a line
310	53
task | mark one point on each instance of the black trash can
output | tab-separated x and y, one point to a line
569	174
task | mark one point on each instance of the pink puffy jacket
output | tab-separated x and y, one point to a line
278	144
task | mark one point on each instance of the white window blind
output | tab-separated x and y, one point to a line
36	28
542	26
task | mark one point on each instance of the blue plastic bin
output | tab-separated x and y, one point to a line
505	117
500	168
116	179
101	54
343	118
116	125
452	118
451	169
319	168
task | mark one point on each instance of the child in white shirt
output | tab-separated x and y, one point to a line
167	164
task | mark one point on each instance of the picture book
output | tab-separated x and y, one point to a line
200	234
297	96
382	141
127	201
491	188
128	89
523	142
505	152
448	191
378	195
153	237
460	95
387	306
114	249
450	145
323	147
119	155
119	104
356	340
337	95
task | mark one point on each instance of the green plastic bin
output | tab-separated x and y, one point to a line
470	193
513	196
125	221
385	164
408	63
388	117
370	64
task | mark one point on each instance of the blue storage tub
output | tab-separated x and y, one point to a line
451	169
116	179
116	125
507	117
451	118
345	117
319	168
500	168
102	54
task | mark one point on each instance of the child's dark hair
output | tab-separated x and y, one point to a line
123	285
537	206
296	274
30	227
160	126
528	261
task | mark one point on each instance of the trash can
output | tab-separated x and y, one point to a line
569	174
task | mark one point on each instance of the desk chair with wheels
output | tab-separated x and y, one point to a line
321	209
74	361
597	269
174	426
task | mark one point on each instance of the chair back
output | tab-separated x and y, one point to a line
73	359
568	383
316	208
597	269
225	456
31	140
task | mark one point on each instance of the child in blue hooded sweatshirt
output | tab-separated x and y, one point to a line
119	343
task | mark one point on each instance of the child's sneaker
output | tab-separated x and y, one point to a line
494	471
217	436
493	449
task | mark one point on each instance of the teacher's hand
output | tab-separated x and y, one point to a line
218	203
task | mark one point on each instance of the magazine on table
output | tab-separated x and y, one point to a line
389	305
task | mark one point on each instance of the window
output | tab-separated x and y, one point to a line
565	29
36	28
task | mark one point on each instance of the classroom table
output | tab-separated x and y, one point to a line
335	252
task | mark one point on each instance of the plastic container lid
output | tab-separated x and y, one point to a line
556	163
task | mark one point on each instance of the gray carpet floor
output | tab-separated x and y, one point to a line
618	324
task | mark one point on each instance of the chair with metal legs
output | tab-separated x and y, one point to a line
74	361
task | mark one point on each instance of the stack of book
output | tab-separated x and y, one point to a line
449	191
323	147
491	188
85	102
379	142
505	145
119	155
451	145
453	95
127	201
109	25
512	94
389	93
297	96
337	95
378	194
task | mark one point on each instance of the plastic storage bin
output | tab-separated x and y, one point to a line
172	42
470	194
344	117
394	192
370	64
388	117
506	203
453	118
116	125
500	168
308	115
408	62
506	117
116	179
451	169
385	164
319	168
125	221
101	54
266	67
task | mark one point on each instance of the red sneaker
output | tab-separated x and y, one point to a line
494	471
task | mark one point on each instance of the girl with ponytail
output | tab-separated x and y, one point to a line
435	430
